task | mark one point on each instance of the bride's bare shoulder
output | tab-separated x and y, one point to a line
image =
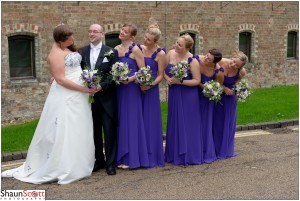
55	54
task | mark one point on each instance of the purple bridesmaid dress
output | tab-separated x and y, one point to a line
132	147
207	109
224	122
183	140
152	117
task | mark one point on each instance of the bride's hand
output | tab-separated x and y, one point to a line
93	91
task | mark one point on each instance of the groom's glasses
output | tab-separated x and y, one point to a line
94	32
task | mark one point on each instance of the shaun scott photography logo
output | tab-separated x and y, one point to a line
22	195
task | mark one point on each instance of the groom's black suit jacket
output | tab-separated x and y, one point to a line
108	95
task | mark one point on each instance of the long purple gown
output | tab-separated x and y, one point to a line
132	147
152	117
207	109
183	140
224	122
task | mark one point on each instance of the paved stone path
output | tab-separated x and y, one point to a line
267	167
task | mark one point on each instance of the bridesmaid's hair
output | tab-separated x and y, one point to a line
188	41
154	30
240	55
217	54
133	29
61	33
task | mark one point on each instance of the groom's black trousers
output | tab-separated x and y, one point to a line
102	120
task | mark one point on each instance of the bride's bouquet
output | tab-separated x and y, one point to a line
213	90
91	79
242	90
180	70
119	72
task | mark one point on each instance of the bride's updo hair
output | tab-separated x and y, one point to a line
154	30
189	42
133	29
61	33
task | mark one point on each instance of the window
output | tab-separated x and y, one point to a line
112	40
292	45
21	57
245	44
194	38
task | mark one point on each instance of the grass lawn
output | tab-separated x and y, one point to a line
264	105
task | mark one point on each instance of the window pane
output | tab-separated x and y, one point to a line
20	56
292	44
112	40
245	43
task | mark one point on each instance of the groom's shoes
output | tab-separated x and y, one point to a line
98	167
111	170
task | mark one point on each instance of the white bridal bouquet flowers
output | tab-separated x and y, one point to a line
119	72
213	90
180	70
91	79
242	90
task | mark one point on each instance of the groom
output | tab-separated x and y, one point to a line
104	109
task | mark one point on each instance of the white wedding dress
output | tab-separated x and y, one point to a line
62	148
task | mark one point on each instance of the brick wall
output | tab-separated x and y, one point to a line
216	25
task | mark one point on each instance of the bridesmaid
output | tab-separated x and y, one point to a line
183	140
224	122
132	148
155	57
209	71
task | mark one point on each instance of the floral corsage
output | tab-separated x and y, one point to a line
109	54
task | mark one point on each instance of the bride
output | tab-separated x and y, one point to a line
62	148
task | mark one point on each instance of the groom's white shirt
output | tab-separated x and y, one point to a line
95	51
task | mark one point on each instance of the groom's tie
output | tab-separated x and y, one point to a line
94	56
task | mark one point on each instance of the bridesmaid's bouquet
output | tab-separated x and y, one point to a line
119	72
91	79
213	90
242	90
144	77
180	70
